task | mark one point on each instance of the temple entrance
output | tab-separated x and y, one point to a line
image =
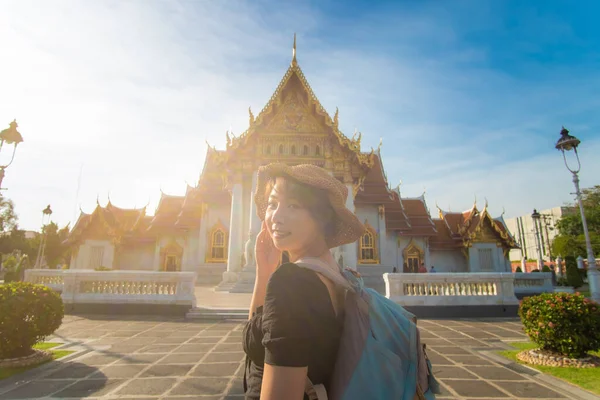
413	258
171	257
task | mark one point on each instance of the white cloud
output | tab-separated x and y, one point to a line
132	90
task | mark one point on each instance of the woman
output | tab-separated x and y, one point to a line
295	314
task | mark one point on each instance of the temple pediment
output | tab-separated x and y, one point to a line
294	116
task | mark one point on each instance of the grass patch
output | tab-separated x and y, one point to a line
586	378
56	354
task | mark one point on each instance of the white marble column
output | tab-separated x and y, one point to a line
350	253
247	277
235	247
382	234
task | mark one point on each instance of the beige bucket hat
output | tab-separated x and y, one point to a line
348	228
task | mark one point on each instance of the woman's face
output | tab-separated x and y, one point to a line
291	225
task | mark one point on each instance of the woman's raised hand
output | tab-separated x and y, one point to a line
267	255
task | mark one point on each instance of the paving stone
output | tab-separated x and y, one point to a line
470	388
34	389
215	369
227	347
442	371
237	388
90	387
232	339
194	348
119	371
195	398
437	342
126	348
120	334
213	333
99	359
158	348
225	357
140	358
167	370
151	334
497	373
468	342
172	340
191	386
186	334
529	390
150	386
437	359
206	339
181	358
140	341
469	360
72	371
443	350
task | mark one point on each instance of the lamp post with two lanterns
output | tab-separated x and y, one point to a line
565	144
9	136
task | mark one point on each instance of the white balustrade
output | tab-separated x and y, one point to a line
53	278
533	283
450	289
120	287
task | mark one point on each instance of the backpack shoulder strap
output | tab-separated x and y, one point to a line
319	266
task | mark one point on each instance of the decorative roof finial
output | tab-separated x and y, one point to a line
251	116
336	120
486	202
294	62
503	211
380	144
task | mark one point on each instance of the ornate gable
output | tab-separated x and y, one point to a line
294	127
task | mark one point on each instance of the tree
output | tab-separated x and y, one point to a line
8	218
56	252
571	241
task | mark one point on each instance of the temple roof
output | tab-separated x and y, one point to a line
462	228
408	216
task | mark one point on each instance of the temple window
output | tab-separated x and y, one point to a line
367	247
317	151
217	244
280	149
305	150
293	150
268	150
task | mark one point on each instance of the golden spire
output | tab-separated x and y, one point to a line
294	62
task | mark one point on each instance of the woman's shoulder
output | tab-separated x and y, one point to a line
290	271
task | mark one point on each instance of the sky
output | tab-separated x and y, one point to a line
119	98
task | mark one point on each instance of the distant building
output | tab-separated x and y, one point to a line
522	229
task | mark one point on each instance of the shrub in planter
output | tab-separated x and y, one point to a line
28	313
573	275
564	323
518	269
546	268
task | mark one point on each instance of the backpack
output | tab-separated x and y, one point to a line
380	354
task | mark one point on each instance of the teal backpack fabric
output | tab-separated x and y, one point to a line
380	354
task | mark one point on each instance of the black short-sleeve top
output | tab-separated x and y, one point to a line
296	327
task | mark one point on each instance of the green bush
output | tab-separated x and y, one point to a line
28	313
546	268
573	275
563	323
518	269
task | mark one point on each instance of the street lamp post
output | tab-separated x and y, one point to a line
9	136
565	144
47	212
535	216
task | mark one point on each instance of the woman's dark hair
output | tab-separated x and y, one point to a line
315	200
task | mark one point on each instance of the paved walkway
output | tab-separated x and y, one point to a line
137	358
